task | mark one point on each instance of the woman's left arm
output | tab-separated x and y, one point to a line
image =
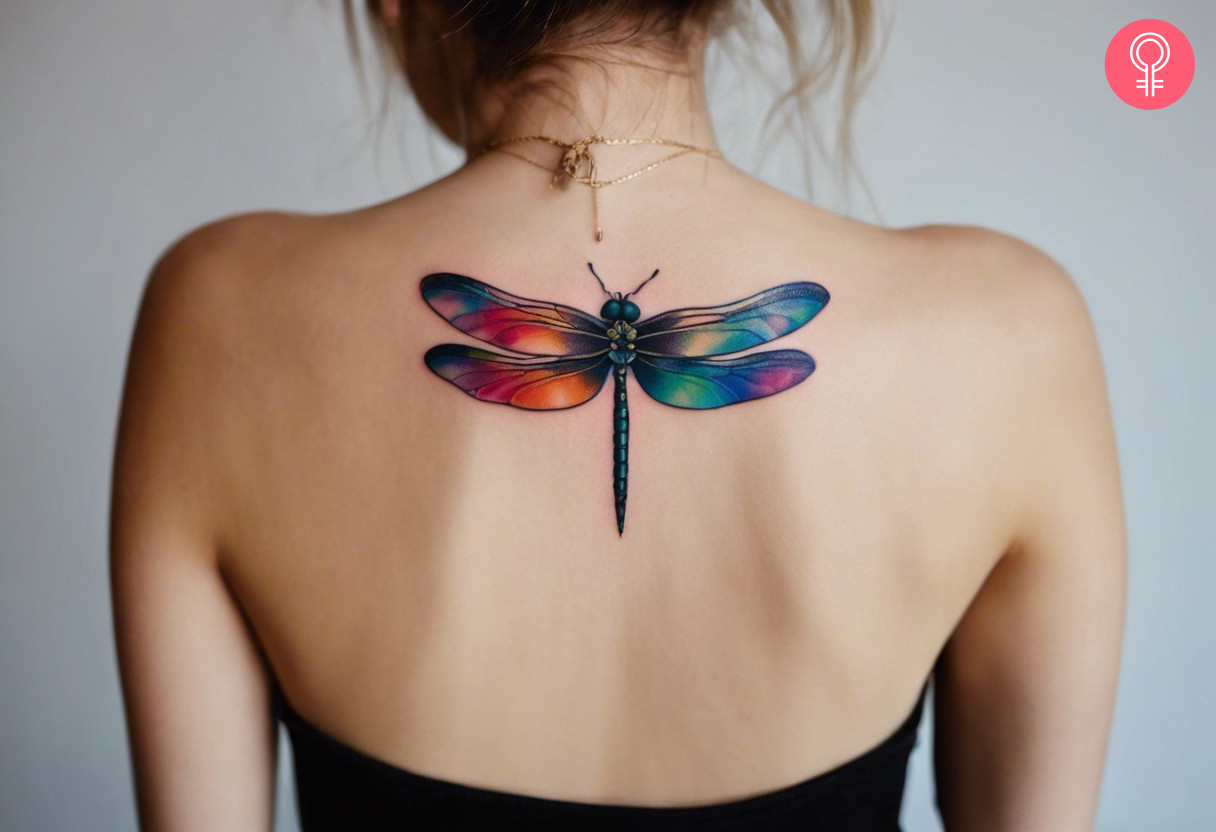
195	687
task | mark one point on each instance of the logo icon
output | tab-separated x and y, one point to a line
1149	64
1150	83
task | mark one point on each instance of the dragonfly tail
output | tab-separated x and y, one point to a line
620	445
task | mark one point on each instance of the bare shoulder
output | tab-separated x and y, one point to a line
236	298
200	276
196	302
195	294
991	340
245	274
197	357
1002	297
225	253
1019	282
1019	309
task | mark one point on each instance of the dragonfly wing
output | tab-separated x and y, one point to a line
703	383
716	330
519	382
533	327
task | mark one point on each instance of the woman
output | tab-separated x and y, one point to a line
675	579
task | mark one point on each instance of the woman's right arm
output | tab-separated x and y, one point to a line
1024	691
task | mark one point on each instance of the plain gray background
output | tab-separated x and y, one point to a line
128	122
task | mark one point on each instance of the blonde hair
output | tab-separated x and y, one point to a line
510	36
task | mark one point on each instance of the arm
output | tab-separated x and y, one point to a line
1025	688
203	741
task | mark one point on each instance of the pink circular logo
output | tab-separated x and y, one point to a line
1149	64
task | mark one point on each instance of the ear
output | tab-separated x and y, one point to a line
390	13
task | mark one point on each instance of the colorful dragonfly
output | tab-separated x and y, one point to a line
564	355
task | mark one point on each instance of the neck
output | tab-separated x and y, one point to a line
626	95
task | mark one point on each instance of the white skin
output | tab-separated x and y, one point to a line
439	583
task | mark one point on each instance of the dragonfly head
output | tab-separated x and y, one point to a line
620	309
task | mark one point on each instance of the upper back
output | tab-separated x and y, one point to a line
439	580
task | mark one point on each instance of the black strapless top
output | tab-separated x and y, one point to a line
341	788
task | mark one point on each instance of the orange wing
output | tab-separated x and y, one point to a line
520	382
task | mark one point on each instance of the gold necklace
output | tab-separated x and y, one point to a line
578	165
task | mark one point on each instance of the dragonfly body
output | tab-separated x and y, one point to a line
621	350
620	444
563	356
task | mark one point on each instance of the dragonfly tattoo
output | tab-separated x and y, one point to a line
563	356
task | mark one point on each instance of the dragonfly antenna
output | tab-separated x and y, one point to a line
643	283
597	277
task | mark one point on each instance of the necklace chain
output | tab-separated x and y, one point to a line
577	163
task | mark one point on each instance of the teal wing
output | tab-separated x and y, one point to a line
717	330
704	383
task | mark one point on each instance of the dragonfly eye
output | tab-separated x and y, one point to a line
611	310
630	311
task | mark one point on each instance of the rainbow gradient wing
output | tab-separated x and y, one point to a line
520	382
716	330
523	325
704	383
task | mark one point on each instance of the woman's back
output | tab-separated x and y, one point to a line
439	582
